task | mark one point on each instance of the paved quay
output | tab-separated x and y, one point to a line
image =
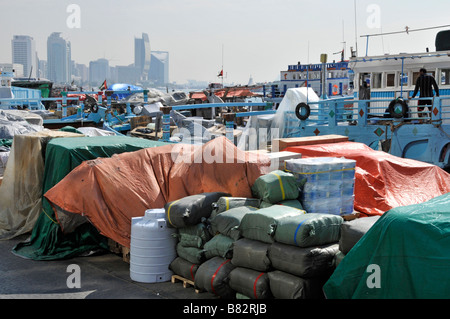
102	276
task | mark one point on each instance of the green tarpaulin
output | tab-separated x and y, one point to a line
47	241
404	255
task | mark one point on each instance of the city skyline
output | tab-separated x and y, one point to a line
62	69
250	38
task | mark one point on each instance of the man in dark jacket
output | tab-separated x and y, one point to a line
425	83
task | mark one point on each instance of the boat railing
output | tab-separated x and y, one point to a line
349	111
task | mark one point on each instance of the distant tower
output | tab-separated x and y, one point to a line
24	52
159	73
58	59
250	81
142	56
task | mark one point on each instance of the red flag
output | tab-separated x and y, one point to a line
221	73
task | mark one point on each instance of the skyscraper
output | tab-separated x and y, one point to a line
159	72
24	52
98	71
142	56
58	59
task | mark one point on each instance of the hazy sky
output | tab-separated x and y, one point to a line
259	37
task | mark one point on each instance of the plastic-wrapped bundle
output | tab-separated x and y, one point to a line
226	203
190	210
276	187
308	229
220	245
303	262
251	283
213	276
287	286
184	268
327	184
352	231
261	224
252	254
227	223
192	254
193	236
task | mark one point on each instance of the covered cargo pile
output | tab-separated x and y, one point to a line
407	247
110	191
259	253
21	188
48	241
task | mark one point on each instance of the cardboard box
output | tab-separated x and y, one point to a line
281	143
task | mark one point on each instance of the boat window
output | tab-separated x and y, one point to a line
390	80
403	78
376	80
415	76
445	77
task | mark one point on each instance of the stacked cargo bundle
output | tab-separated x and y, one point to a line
188	216
204	248
351	232
327	184
285	252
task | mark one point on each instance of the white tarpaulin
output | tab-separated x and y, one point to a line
21	188
263	128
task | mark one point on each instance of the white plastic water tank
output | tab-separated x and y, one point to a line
152	247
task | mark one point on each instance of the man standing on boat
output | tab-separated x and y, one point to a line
425	83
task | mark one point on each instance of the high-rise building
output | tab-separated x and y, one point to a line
159	72
24	52
142	56
98	71
59	66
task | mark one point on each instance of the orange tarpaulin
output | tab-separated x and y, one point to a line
384	181
110	191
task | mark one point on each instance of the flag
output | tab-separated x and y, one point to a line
104	86
220	73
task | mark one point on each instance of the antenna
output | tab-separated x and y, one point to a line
407	31
356	31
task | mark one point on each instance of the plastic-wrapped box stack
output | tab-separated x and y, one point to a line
326	183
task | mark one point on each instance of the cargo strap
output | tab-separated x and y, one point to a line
192	273
296	231
215	274
168	212
281	185
254	284
227	201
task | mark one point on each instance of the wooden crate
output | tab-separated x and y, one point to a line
140	121
118	249
281	143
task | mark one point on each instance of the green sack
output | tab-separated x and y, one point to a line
220	245
289	202
309	230
226	203
191	254
227	223
193	236
276	187
261	224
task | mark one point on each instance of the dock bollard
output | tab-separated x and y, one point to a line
229	125
166	122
